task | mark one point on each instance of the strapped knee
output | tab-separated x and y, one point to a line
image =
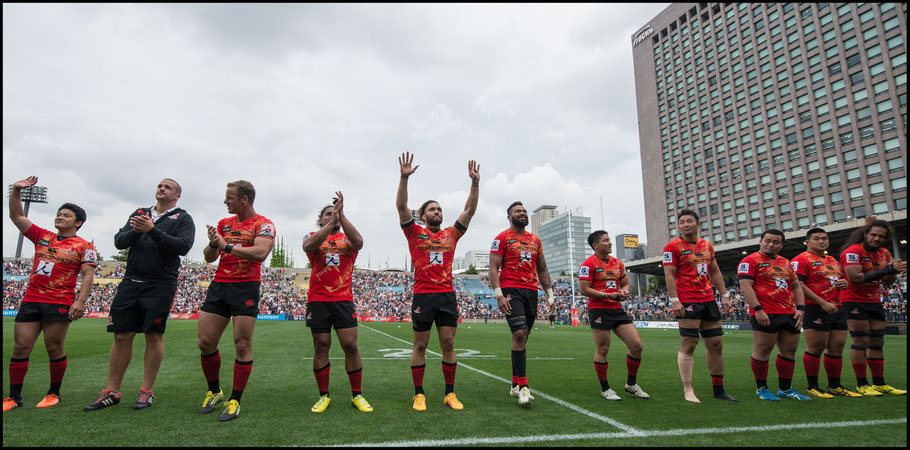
713	332
859	333
875	347
877	334
688	332
857	348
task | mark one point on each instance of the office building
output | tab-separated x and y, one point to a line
541	215
556	239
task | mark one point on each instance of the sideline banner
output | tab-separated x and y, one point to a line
574	312
675	325
270	317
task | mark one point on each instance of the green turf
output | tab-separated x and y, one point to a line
275	406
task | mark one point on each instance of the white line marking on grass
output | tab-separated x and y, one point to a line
576	408
395	358
616	435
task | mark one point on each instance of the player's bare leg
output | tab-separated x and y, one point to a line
154	354
685	359
121	355
210	328
54	337
25	334
419	352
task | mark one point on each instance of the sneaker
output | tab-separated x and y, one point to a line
420	402
321	404
610	394
791	393
817	392
726	396
453	402
886	389
11	403
361	403
524	398
107	398
211	399
231	410
636	390
765	394
144	400
842	391
868	391
49	400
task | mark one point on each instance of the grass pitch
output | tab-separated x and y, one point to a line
568	411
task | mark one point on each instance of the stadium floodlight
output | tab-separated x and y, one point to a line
31	194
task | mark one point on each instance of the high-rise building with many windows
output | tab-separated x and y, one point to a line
771	115
565	247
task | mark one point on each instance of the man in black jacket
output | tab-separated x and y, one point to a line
156	237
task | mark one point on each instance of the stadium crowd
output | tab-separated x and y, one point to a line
388	294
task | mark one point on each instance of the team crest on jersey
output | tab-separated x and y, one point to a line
44	242
780	283
332	259
436	258
852	258
668	257
611	284
584	271
525	257
702	268
267	230
795	265
743	268
495	246
833	280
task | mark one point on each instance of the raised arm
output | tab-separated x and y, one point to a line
350	232
471	205
16	214
401	200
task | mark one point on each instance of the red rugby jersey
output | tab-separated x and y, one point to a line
432	254
692	262
856	255
58	263
232	269
773	282
332	270
819	273
605	276
519	259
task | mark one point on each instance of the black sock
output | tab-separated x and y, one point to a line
418	390
215	386
862	381
518	363
15	391
55	388
235	395
784	383
761	383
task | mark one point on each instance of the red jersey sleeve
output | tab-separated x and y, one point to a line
747	268
586	271
499	244
671	255
801	266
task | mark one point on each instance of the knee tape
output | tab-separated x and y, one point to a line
859	333
877	334
688	332
713	332
858	348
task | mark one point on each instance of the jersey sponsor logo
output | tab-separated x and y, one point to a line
44	268
249	303
158	321
818	263
795	265
226	229
525	257
174	216
511	241
423	236
668	257
44	242
62	310
495	246
417	310
267	229
90	257
685	252
584	271
855	311
743	268
760	265
599	270
780	283
598	320
332	259
866	258
689	308
702	268
436	258
852	258
611	284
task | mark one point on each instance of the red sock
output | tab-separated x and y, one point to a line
785	369
211	366
58	368
717	380
17	370
811	364
514	380
242	374
522	381
632	365
448	372
354	377
417	374
876	366
759	369
859	369
322	379
601	369
833	366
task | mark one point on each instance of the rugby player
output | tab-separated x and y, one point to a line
603	279
432	251
516	265
690	269
50	302
332	251
156	238
868	266
776	306
240	243
825	322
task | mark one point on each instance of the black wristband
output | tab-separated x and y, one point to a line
800	307
757	308
229	248
213	245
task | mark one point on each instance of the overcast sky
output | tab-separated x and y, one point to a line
102	101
